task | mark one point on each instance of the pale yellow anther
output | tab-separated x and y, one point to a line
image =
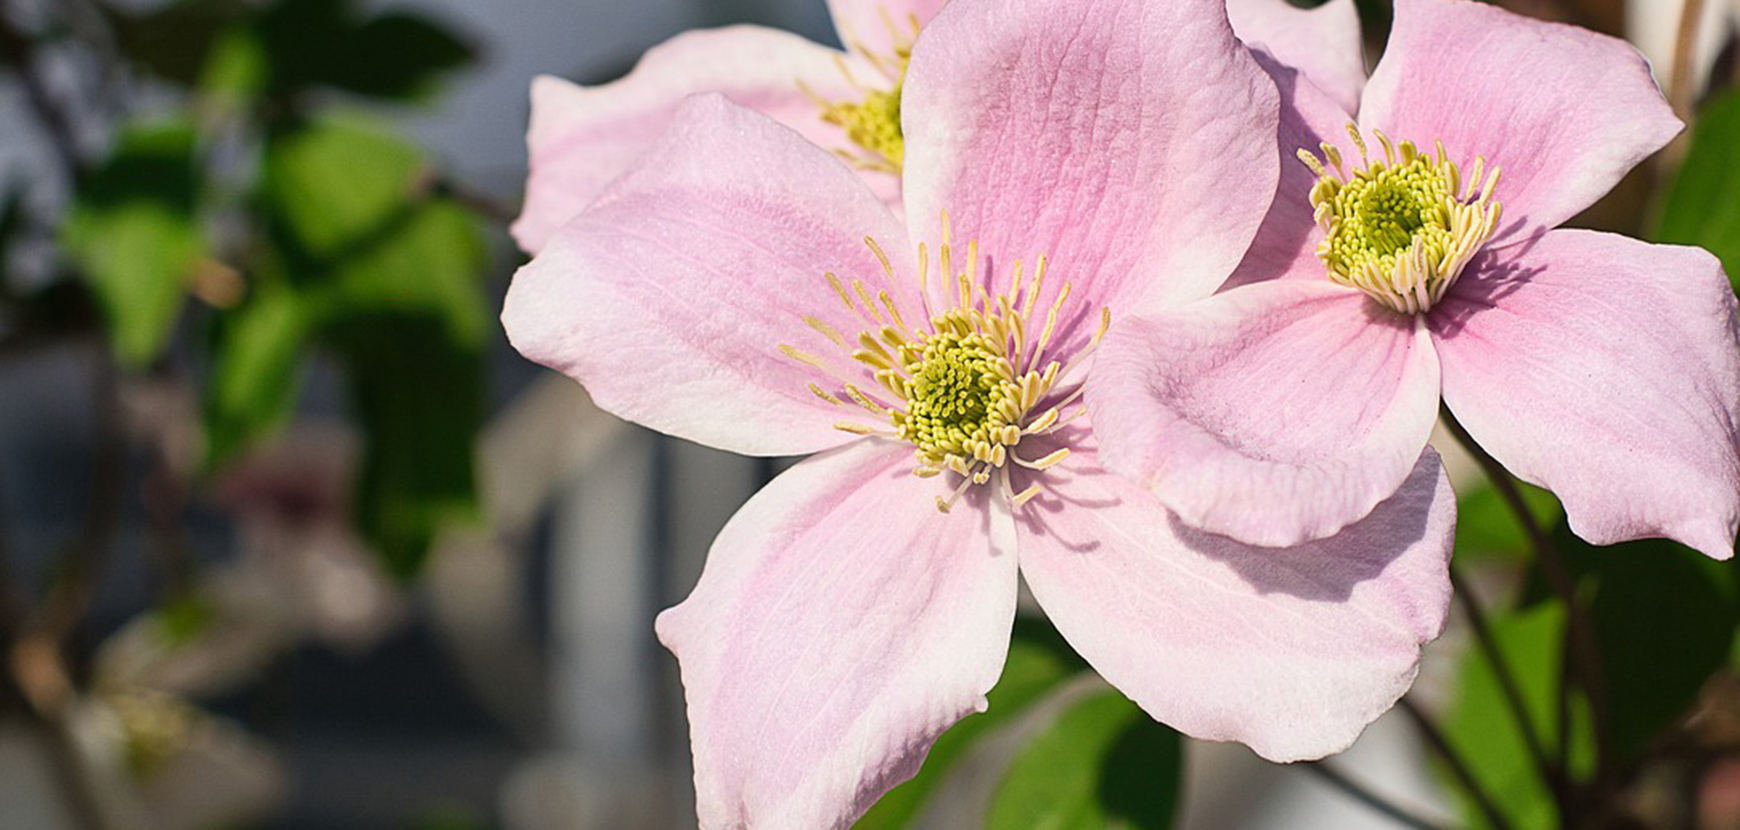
1401	228
826	395
1050	460
827	331
968	388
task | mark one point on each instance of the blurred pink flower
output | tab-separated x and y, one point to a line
1595	365
842	621
582	137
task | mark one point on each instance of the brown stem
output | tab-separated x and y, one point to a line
18	51
1683	91
1359	792
1507	683
1582	651
1458	767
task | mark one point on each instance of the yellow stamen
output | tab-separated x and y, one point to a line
1401	228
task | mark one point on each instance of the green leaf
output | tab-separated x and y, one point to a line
1664	619
173	40
1102	764
1487	528
431	264
408	318
399	56
329	43
337	182
134	235
1039	662
418	395
1702	206
236	69
256	369
1483	731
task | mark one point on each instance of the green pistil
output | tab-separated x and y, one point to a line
1400	228
957	395
1383	210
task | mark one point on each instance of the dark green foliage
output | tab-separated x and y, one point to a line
1702	206
1039	662
329	43
1102	764
134	234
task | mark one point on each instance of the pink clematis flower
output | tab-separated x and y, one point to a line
582	137
1398	265
1065	164
849	102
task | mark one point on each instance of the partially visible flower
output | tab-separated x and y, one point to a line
582	137
1322	44
1398	264
1064	164
848	102
301	572
160	761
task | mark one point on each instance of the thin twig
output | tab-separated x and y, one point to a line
1458	767
1683	90
1506	680
1583	652
18	50
1359	792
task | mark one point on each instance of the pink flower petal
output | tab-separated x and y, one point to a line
582	137
1291	651
1274	413
1606	370
841	624
1286	244
1324	44
669	298
1565	112
1107	135
880	26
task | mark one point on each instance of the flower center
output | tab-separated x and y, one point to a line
873	121
874	125
1400	228
966	389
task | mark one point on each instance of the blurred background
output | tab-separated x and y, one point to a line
290	538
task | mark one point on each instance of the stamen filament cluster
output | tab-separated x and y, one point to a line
966	389
1400	228
873	121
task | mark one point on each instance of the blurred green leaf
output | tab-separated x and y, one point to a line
1664	618
236	69
408	318
398	55
418	396
184	618
430	264
257	360
1702	206
1487	528
134	234
1482	729
1102	764
329	43
1039	661
173	40
337	181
